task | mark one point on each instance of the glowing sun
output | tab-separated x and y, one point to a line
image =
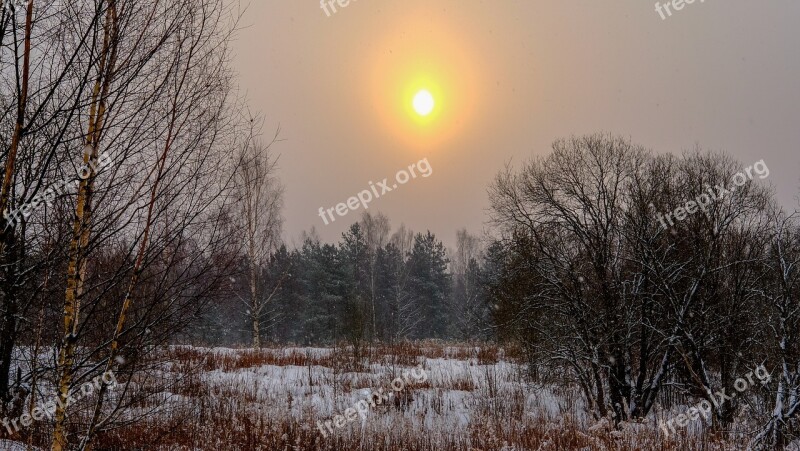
423	102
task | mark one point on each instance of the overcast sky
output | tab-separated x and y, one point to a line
509	78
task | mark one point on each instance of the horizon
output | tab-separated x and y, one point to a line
530	73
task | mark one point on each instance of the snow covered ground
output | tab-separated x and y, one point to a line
8	445
318	399
282	399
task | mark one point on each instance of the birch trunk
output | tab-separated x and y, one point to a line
76	268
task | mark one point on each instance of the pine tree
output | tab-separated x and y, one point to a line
390	291
355	262
429	285
322	285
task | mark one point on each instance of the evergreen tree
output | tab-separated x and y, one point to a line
355	264
391	293
284	273
323	286
429	285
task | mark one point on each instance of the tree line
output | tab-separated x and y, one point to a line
372	286
178	236
583	271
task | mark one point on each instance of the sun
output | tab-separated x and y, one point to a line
423	102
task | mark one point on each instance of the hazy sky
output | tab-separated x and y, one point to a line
509	78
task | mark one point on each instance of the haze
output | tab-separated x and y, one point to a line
518	75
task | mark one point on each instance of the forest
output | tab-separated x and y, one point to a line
144	257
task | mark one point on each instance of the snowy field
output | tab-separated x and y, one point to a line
435	397
470	399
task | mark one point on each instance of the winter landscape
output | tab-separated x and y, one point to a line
426	225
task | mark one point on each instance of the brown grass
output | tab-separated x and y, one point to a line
229	416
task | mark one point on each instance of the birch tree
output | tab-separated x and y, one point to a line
41	115
376	230
261	199
160	108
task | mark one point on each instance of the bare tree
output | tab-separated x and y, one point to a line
41	114
376	230
571	204
783	274
145	242
261	200
403	240
704	271
629	303
76	270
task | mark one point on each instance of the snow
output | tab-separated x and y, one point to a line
8	445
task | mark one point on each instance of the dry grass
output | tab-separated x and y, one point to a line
271	413
246	358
